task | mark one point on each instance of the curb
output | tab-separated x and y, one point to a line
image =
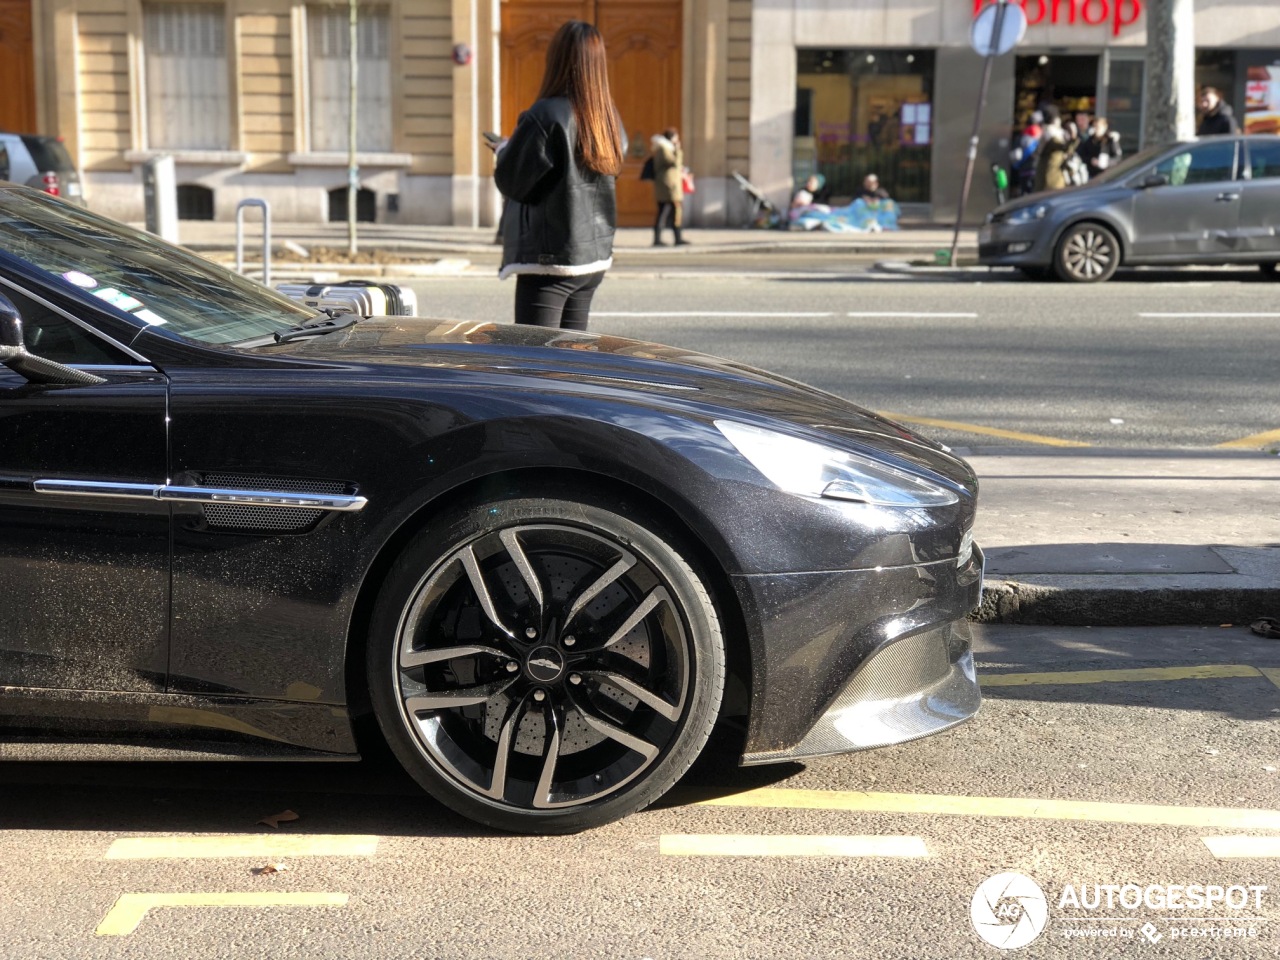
1012	601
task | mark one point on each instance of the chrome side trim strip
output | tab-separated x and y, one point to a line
92	488
289	500
338	502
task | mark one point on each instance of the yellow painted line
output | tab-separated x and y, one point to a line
1203	672
1226	818
131	908
1253	441
1241	847
1271	673
985	431
241	845
729	845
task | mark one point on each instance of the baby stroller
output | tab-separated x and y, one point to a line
764	215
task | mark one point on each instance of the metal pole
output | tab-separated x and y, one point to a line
475	114
977	129
353	172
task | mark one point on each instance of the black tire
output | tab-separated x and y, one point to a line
593	717
1270	270
1087	253
1038	274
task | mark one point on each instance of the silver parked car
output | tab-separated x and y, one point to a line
41	162
1209	201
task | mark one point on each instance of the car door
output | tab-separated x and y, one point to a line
1195	215
1260	205
84	546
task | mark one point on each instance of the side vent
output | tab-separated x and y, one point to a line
234	516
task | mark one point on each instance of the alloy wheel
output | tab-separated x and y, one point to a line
1089	254
543	666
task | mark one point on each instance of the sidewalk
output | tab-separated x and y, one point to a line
418	241
1128	537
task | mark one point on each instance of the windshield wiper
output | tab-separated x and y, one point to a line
318	325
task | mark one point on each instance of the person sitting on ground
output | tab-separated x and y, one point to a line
872	193
813	192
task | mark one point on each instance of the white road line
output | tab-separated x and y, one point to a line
704	313
732	845
874	314
1211	316
1240	847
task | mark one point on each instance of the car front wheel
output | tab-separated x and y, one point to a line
545	665
1087	253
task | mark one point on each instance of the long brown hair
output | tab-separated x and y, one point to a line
576	70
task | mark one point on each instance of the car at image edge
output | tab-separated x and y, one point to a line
547	561
1211	201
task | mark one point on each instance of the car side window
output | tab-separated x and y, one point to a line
1264	160
1204	163
52	336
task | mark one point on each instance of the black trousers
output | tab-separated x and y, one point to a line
563	302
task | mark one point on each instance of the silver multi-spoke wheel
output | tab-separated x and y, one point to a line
542	667
1088	253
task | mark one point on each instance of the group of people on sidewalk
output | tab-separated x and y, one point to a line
1051	154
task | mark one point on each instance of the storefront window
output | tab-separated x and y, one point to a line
866	111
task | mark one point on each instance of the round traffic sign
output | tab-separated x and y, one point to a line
998	28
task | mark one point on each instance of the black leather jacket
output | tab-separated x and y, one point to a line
560	217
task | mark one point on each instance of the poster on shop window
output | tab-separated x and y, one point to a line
1262	100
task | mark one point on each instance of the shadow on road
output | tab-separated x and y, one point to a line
372	796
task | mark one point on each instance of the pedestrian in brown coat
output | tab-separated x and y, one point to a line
668	185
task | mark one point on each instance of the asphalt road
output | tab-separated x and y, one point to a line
1074	780
1166	359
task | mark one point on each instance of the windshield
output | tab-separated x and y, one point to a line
153	281
1129	164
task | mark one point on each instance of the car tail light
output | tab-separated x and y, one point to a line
51	185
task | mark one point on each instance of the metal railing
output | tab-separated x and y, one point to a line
266	236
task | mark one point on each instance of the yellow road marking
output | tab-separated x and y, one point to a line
1271	673
241	845
1204	672
130	909
1228	818
985	431
729	845
1253	441
1241	847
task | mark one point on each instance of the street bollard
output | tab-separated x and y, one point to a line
266	236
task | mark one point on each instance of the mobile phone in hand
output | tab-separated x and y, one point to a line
492	137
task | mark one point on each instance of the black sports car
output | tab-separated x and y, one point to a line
547	561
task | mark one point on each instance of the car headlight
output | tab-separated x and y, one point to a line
1028	214
815	470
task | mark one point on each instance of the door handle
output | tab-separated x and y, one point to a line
1228	197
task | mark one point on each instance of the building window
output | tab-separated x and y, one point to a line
329	79
366	205
868	111
194	202
186	76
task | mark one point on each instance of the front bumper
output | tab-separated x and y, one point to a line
859	659
1015	244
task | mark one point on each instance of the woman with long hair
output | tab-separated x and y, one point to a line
557	172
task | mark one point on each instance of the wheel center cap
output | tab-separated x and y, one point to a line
545	664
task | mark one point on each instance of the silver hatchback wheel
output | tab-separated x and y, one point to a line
1087	253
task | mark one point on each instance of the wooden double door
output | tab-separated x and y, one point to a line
643	39
17	68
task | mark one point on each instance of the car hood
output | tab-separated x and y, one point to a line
526	357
